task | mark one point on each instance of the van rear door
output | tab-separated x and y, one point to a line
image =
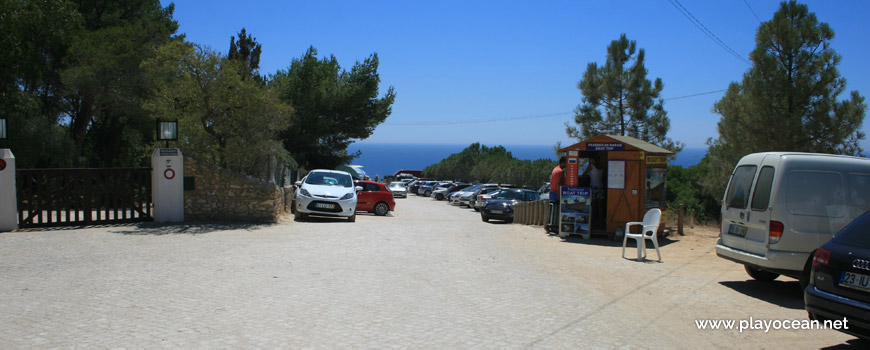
758	216
735	206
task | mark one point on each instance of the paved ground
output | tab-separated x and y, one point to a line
428	276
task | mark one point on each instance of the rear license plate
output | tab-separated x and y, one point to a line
324	205
497	212
855	281
737	230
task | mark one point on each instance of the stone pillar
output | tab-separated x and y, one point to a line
8	191
167	184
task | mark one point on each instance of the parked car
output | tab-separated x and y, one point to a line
398	188
426	189
442	193
779	208
544	191
472	199
455	198
326	193
414	185
501	205
840	279
441	186
485	194
375	198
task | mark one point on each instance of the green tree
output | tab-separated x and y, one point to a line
247	52
619	99
788	100
34	42
332	107
105	85
225	119
491	164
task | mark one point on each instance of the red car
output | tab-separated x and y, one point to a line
374	198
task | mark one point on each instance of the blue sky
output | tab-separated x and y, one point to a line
457	64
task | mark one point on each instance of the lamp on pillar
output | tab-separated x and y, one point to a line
167	131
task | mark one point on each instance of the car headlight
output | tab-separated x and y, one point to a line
347	196
304	192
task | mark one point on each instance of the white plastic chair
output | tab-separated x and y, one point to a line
649	231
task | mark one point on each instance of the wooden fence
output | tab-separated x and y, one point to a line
531	213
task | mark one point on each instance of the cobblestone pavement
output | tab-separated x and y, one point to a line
426	276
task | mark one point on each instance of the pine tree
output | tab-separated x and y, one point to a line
619	99
788	100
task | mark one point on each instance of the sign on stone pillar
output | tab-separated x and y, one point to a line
167	184
8	199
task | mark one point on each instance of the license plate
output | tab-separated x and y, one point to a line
855	281
324	205
497	212
737	230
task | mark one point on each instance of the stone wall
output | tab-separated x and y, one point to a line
220	194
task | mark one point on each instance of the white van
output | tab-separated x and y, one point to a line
780	207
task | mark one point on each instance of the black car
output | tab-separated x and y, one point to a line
840	279
501	205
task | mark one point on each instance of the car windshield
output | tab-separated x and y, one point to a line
510	195
328	179
397	184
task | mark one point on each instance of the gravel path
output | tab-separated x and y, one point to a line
426	276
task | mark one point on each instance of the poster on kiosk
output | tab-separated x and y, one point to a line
576	207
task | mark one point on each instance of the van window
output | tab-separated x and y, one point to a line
858	193
815	193
761	196
738	189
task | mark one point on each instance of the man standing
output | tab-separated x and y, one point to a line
557	180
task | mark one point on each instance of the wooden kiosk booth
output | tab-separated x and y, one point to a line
633	181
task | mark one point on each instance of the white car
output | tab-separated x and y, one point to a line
398	188
326	193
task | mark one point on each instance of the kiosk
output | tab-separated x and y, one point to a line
634	181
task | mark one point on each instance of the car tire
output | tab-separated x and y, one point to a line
351	218
760	275
299	216
483	217
381	209
476	209
427	193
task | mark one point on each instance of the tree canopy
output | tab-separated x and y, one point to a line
332	107
619	99
789	99
491	164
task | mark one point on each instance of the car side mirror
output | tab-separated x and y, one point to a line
359	188
298	183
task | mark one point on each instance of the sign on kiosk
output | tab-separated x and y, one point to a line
167	185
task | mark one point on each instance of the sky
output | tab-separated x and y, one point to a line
506	72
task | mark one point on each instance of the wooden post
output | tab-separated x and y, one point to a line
680	219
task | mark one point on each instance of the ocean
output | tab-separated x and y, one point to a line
386	158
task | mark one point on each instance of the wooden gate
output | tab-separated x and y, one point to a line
76	197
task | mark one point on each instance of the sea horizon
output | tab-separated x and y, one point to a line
379	159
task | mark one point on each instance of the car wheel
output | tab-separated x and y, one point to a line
483	217
299	216
427	193
352	218
381	209
760	275
476	209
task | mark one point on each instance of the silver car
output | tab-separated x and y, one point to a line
398	188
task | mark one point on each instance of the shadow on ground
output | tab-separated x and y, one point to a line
787	294
190	228
850	344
